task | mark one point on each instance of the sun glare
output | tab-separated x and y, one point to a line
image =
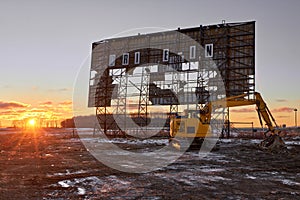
32	122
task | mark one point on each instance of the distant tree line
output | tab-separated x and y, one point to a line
68	123
91	121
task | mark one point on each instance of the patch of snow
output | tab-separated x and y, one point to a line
126	141
297	138
91	180
190	178
112	183
234	134
292	142
226	140
255	141
81	130
68	173
210	170
115	179
214	157
65	183
290	182
186	181
81	191
250	177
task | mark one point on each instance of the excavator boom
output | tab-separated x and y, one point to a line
261	107
264	112
182	127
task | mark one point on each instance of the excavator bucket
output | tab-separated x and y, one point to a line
272	143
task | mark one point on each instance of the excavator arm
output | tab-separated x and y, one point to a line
265	114
263	111
272	142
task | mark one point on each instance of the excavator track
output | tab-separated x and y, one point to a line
195	144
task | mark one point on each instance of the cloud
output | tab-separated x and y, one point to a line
65	106
282	116
46	110
283	109
59	90
7	86
34	88
46	104
38	110
12	104
281	100
63	89
243	110
57	114
9	112
252	118
66	103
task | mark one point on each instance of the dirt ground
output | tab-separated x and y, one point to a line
54	164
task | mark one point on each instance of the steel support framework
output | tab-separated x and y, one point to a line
120	100
174	82
143	98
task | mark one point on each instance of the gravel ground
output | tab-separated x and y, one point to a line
54	164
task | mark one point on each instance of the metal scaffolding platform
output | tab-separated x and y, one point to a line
134	78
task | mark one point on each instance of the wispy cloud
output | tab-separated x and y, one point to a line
243	110
12	104
282	116
281	100
252	118
37	110
9	112
66	103
46	104
283	109
60	90
35	88
65	106
63	89
7	86
46	110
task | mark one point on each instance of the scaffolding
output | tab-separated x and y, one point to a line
136	76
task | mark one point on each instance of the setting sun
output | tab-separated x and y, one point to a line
32	122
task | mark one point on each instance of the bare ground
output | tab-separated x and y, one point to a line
53	164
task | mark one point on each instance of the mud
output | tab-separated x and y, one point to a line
53	164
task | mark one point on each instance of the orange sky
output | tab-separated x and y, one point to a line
44	112
283	115
47	111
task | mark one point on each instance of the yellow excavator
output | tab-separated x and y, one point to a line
197	126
